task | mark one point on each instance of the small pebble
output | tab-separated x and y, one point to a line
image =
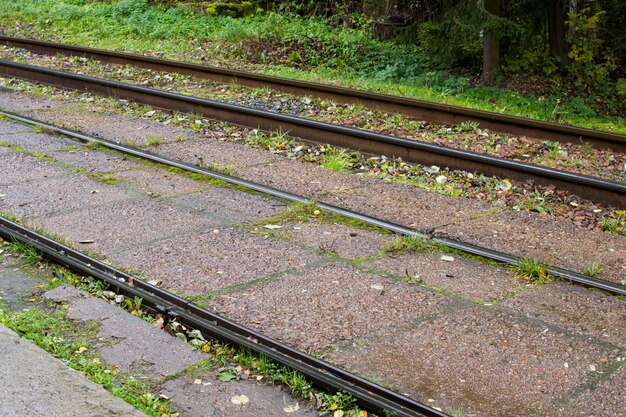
447	258
239	400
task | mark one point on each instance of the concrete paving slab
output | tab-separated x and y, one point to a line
468	278
605	400
16	167
575	308
408	205
128	342
135	350
34	384
113	126
117	225
227	206
534	235
60	194
339	239
213	398
160	183
38	142
325	305
214	151
93	160
11	127
23	103
213	260
310	180
483	362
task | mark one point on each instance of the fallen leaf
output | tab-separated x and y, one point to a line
226	376
505	185
447	258
86	241
377	287
272	226
158	323
239	400
197	381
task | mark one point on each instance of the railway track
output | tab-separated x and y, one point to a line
595	189
370	396
500	257
432	112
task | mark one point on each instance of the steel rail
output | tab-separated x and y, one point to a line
430	111
369	395
501	257
592	188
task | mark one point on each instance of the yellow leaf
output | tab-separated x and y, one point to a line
333	407
362	413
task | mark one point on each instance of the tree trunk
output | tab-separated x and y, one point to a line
491	45
556	31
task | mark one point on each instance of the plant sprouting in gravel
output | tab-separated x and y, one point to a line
615	224
593	269
413	244
532	270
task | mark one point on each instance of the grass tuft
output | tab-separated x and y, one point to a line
412	244
533	271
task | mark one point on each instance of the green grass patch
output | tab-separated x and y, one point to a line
71	343
593	269
615	225
533	271
337	159
104	177
410	244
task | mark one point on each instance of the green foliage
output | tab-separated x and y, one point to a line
413	244
320	49
533	271
615	224
590	64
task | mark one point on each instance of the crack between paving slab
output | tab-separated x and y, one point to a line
19	132
590	382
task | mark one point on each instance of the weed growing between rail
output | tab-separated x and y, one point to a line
533	271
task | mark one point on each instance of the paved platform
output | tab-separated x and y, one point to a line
453	333
35	384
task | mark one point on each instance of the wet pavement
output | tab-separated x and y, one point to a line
34	383
449	331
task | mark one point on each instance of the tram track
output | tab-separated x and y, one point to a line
429	111
470	249
592	188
